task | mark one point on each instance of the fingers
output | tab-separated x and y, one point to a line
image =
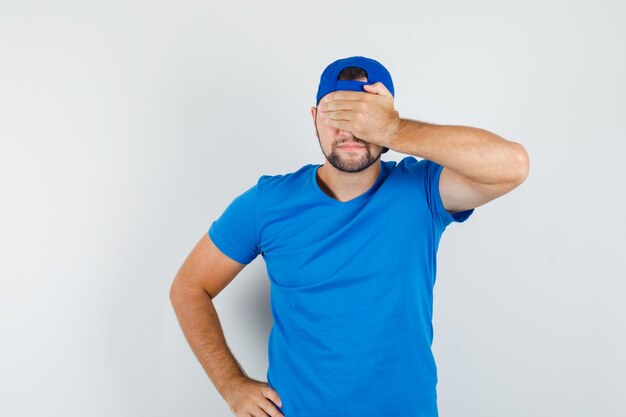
271	394
343	125
340	124
353	105
342	95
378	88
267	408
262	407
337	115
341	111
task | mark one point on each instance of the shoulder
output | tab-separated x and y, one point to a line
411	167
411	162
420	168
269	182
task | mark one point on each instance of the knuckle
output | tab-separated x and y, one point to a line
268	392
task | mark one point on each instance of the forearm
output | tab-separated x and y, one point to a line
199	321
476	153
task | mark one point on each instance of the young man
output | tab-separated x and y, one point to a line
350	248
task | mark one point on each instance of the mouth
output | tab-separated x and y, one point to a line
351	146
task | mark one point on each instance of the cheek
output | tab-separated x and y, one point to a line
327	129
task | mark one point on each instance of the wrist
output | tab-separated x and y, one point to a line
394	132
229	385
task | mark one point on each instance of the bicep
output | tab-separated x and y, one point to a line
208	268
459	192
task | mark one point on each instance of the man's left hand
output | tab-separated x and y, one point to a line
369	116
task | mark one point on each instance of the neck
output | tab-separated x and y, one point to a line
345	186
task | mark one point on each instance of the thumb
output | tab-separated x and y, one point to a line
377	88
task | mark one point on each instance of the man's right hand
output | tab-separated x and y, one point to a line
248	397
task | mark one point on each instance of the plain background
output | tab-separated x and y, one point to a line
128	127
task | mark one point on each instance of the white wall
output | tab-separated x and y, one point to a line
126	127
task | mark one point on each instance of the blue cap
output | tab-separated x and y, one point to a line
375	72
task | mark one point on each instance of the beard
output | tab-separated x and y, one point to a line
351	161
348	160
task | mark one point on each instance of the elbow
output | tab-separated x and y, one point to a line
173	293
176	292
521	164
182	291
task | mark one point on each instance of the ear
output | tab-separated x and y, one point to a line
313	112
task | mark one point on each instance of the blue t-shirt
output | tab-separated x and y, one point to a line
351	287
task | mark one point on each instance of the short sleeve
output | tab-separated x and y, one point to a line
234	231
430	172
